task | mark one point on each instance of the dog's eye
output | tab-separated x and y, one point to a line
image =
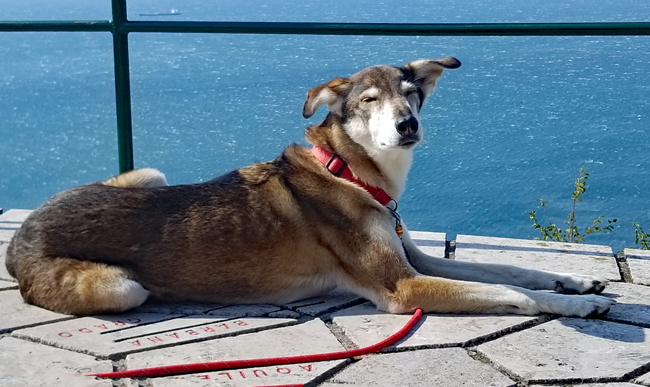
411	92
368	99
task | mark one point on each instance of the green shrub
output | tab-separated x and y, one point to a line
571	233
640	237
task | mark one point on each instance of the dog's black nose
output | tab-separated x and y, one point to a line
408	126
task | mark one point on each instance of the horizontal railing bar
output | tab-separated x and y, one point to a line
300	28
306	28
56	26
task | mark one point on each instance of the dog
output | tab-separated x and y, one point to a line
301	225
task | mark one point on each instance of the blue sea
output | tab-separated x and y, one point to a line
514	124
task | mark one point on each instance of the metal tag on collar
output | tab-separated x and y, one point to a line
398	222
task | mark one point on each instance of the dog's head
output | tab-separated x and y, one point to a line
380	105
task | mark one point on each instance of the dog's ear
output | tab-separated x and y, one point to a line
330	93
427	71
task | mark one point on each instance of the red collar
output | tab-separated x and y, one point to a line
335	164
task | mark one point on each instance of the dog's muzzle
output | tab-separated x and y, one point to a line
408	129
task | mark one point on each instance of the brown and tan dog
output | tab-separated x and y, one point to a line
278	231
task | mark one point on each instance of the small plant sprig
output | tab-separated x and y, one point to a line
640	237
571	234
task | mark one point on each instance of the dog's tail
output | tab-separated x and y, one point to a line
138	178
72	286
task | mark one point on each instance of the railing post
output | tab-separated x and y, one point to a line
122	86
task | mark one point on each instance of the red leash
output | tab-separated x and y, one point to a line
224	365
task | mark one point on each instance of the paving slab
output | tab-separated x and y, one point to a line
613	384
16	215
319	305
23	363
112	335
4	274
11	226
16	314
365	325
4	285
221	310
560	257
643	379
286	375
569	350
10	221
632	304
92	335
431	243
311	306
639	264
7	230
302	339
6	234
431	367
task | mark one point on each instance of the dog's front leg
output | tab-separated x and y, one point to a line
501	274
380	272
452	296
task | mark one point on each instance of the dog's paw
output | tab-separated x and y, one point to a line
580	284
589	306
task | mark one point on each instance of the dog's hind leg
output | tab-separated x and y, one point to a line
72	286
138	178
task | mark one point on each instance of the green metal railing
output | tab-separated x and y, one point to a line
120	27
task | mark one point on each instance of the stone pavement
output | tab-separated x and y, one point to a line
42	348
